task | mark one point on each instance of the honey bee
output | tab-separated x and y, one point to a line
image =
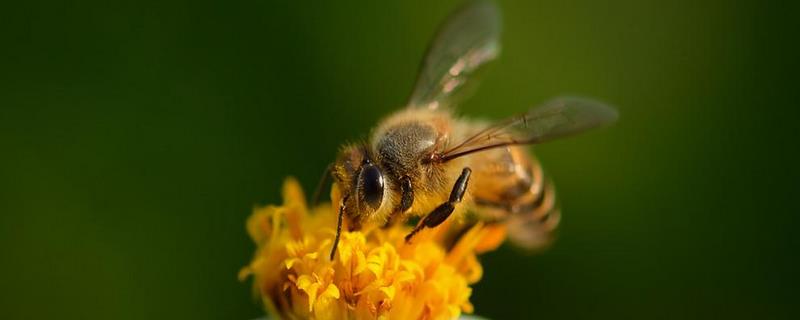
423	161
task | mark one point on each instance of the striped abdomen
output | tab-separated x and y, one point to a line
509	186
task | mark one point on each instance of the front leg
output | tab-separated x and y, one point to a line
440	214
406	200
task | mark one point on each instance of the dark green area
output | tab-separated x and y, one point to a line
136	137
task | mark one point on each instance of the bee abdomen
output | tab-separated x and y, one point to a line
531	224
529	208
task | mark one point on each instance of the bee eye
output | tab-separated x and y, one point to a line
371	185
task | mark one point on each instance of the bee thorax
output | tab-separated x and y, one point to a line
401	147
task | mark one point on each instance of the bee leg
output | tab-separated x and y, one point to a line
406	200
342	208
443	211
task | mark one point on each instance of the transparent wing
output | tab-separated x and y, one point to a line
554	119
468	39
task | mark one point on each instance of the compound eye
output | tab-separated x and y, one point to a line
371	185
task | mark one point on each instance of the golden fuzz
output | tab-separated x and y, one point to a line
374	274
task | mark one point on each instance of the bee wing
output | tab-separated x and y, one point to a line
554	119
468	39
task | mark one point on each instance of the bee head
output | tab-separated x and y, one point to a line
361	181
362	185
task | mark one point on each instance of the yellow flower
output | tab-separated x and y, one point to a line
375	273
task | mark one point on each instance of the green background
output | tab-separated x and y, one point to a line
135	138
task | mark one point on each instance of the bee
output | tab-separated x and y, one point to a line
424	161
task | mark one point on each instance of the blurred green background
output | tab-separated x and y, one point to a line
137	136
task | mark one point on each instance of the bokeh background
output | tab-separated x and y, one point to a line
136	137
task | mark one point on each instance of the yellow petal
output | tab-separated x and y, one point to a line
311	255
388	291
492	239
331	291
290	262
303	282
361	263
293	193
311	291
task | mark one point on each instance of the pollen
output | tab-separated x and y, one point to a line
375	274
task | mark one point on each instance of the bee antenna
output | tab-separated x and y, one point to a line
321	185
339	226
